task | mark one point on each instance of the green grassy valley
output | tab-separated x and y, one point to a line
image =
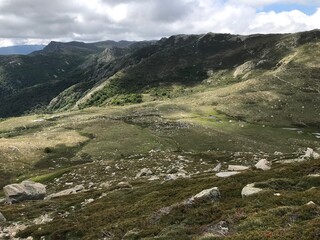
141	129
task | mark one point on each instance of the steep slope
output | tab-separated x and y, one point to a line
27	82
248	77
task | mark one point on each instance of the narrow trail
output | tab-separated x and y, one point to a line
291	84
283	67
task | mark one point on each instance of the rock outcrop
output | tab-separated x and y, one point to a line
249	190
211	194
66	192
310	154
263	164
226	174
27	190
237	168
125	185
144	173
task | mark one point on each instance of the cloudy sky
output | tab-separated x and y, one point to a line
39	21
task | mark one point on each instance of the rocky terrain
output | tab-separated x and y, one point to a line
205	137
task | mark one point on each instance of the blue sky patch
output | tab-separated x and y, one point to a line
307	9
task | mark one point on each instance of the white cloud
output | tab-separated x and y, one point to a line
39	21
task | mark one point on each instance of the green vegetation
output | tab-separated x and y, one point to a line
50	176
175	113
157	135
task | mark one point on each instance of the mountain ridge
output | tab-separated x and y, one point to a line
149	66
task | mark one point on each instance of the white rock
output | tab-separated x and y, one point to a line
124	185
87	201
10	231
237	168
217	168
263	164
226	174
277	153
2	218
244	68
211	194
176	176
311	203
314	175
106	185
277	194
144	172
153	178
27	190
249	190
310	154
42	219
66	192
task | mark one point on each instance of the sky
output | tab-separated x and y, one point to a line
40	21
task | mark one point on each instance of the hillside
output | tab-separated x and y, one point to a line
273	75
238	75
30	82
212	136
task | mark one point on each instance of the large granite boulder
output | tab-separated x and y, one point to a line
263	164
211	194
249	190
27	190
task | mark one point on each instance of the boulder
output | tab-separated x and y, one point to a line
244	68
153	178
217	168
311	203
263	164
27	190
2	218
226	174
43	219
237	168
175	176
10	232
106	185
211	194
144	172
310	154
66	192
124	185
87	201
249	190
278	153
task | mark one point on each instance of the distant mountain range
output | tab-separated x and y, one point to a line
257	78
20	49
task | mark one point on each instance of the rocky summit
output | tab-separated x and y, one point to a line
208	136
